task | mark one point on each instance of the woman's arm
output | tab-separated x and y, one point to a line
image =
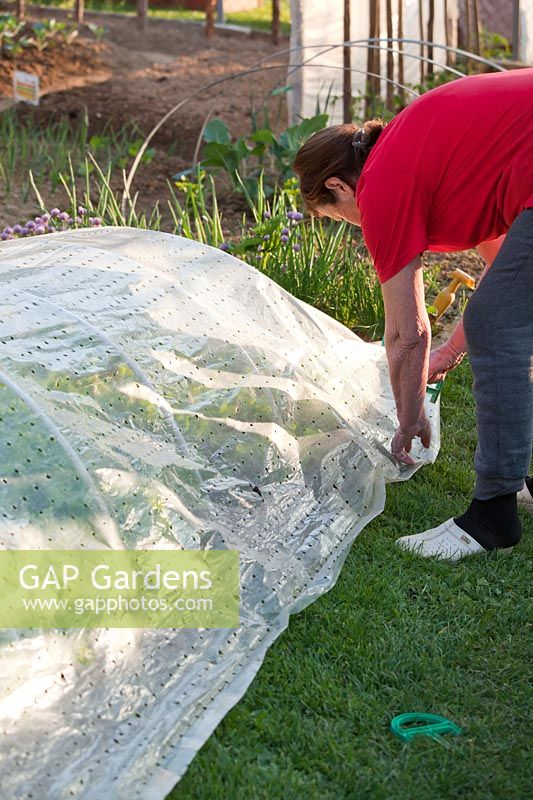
407	344
489	250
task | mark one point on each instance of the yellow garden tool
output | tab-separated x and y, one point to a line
446	296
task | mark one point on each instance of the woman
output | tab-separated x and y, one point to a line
452	171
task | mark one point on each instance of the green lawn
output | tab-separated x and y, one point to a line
397	633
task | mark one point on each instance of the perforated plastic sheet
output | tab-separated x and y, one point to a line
158	393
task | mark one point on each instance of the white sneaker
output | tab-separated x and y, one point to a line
447	541
524	499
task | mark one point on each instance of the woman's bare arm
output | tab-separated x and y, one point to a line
407	342
489	250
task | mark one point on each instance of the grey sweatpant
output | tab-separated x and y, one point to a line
498	326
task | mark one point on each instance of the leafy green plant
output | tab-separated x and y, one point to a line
196	213
494	45
9	31
40	37
98	31
244	158
47	33
16	37
11	47
67	32
9	24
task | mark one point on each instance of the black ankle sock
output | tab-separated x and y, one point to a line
492	523
529	484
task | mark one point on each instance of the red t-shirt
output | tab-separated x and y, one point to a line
450	171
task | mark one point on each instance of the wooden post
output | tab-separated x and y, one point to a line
475	26
467	37
370	58
400	54
390	59
142	12
422	36
431	18
447	32
80	11
209	18
347	64
373	61
516	30
21	10
275	22
377	53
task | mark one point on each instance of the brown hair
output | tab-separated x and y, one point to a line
332	152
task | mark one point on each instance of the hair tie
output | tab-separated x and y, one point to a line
357	142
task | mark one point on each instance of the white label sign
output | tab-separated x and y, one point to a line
26	87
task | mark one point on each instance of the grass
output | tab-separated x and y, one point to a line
257	18
397	633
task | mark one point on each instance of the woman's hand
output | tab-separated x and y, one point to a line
402	441
442	360
448	355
